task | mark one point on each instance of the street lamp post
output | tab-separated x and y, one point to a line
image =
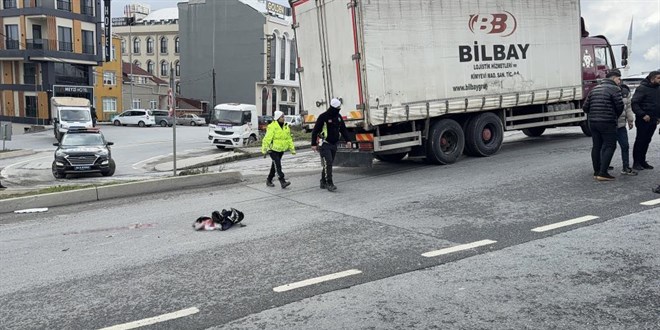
130	54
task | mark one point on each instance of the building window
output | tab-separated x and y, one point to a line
150	45
137	63
273	54
64	5
163	68
123	46
64	37
178	87
177	68
113	53
264	101
283	58
274	100
150	66
176	45
31	106
8	4
163	45
285	96
87	42
109	78
87	7
292	61
71	74
136	103
109	104
11	35
29	73
136	45
153	104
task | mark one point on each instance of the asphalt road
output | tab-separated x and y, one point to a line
103	264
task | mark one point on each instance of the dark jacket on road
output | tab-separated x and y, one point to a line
605	103
334	125
646	100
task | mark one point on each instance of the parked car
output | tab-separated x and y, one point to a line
293	120
83	151
163	118
138	117
264	121
190	119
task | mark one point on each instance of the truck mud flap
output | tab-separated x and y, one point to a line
353	159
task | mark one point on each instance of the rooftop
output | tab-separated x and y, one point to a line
165	14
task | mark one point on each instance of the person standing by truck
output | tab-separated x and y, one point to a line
627	118
646	106
325	136
604	105
277	141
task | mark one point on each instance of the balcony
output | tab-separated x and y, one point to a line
65	46
87	10
8	4
38	44
88	49
12	44
64	5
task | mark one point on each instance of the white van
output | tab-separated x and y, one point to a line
233	125
70	113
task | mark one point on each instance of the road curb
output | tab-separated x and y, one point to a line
120	190
16	153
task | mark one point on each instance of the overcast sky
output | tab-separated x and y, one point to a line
607	17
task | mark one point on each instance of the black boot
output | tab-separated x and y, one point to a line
284	183
330	186
657	190
269	183
323	184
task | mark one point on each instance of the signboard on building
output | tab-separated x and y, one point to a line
275	8
119	21
108	30
86	92
269	48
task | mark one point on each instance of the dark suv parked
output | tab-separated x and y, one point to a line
163	118
83	151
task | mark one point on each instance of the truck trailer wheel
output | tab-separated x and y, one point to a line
391	158
484	135
446	142
534	131
585	128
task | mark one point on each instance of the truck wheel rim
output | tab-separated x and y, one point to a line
448	142
486	134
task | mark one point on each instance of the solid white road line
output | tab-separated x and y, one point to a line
651	203
458	248
154	320
565	223
316	280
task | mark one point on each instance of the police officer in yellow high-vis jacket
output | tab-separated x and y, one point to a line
277	141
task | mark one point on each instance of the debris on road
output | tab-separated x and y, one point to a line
219	220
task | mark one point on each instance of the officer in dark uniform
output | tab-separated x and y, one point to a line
325	136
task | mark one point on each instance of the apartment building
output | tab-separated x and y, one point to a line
151	43
47	48
108	83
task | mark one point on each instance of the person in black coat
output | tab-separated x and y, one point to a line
646	106
325	135
604	105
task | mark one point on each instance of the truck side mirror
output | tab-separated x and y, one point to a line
57	144
624	53
624	62
110	143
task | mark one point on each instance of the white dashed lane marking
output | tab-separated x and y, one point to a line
316	280
155	319
458	248
651	203
565	223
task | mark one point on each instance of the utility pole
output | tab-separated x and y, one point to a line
214	100
171	96
130	52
